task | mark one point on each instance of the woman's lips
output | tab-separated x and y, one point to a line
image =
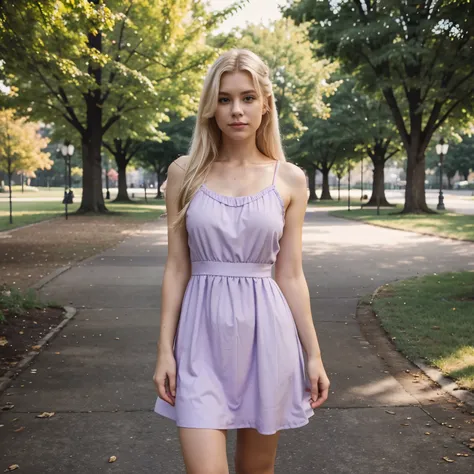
239	125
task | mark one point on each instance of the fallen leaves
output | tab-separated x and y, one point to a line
46	414
13	467
113	458
390	412
445	458
3	341
8	406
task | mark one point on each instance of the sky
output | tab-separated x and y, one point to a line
255	11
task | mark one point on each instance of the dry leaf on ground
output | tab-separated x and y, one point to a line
45	414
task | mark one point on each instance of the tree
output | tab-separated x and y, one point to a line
89	63
418	54
158	155
300	82
369	123
326	141
21	147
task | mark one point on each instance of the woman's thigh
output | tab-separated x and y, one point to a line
255	453
204	450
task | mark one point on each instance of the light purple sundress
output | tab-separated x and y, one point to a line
239	358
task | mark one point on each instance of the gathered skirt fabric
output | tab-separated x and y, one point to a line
239	360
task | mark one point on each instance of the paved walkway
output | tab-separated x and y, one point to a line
97	375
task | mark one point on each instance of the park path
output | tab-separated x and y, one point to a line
97	375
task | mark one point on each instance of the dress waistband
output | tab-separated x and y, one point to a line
232	269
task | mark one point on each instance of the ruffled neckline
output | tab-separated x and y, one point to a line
237	200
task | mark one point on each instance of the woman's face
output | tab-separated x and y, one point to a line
239	109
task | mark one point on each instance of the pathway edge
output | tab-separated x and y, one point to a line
10	375
447	384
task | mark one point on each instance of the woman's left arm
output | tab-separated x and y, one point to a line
290	278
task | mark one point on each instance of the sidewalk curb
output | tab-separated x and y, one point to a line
44	281
435	375
9	376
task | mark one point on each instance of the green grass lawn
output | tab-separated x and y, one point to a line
30	212
335	203
432	318
447	224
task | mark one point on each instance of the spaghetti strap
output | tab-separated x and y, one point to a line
275	172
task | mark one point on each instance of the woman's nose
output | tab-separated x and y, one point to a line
236	108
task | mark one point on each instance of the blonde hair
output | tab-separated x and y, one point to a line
207	135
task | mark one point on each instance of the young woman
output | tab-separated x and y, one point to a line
230	350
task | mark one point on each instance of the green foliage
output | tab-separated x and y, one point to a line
157	156
300	82
87	64
460	158
327	141
418	55
14	302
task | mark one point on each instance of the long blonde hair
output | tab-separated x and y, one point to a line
207	135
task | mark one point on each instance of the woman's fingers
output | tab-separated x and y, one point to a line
319	393
163	391
320	398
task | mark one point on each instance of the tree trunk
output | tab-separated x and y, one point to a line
415	199
312	184
122	195
92	195
378	183
326	194
159	194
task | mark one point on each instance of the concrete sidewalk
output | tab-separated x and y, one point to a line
97	375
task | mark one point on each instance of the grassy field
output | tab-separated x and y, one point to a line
432	318
455	226
35	211
335	203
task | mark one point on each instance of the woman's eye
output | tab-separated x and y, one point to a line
250	97
222	99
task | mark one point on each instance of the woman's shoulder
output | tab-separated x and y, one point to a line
292	175
181	162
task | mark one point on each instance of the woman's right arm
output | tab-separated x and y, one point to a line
175	279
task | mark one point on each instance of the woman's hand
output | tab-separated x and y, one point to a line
319	382
165	378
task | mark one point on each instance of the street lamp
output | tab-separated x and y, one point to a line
107	192
441	150
67	150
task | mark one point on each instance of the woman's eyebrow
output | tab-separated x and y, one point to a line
251	91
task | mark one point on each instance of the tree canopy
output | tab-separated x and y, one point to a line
418	53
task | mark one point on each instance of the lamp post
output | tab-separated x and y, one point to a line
67	150
107	192
441	150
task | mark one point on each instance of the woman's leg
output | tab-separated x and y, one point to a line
255	453
204	450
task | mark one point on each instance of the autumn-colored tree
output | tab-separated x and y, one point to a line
21	147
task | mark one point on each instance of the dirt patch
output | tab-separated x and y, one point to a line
20	334
27	255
